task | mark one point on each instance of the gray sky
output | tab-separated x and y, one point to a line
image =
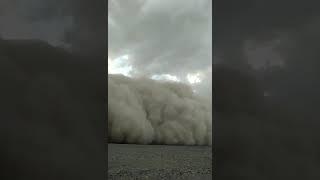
162	39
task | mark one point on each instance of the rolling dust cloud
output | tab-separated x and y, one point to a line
145	111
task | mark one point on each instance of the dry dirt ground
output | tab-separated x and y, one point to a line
129	161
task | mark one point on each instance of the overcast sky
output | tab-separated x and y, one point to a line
162	39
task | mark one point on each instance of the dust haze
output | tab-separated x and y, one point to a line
145	111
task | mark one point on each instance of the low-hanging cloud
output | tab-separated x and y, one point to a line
145	111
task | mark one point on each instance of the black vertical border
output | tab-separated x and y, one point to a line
106	98
214	163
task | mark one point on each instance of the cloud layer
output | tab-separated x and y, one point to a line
162	36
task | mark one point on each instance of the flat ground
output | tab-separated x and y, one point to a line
129	161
